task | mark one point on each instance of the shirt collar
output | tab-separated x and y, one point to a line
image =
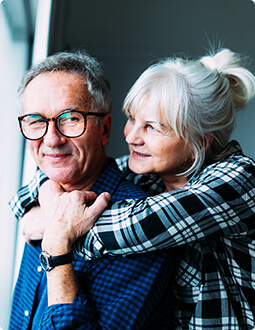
109	179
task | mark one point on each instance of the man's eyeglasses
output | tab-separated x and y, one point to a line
70	123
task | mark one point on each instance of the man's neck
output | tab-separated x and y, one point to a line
90	178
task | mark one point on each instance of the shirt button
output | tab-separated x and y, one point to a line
26	313
39	269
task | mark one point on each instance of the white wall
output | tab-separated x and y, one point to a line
13	59
13	64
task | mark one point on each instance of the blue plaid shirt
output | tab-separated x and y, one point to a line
116	293
210	222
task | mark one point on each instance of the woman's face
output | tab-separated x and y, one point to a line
155	148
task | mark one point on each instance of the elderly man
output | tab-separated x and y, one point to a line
65	100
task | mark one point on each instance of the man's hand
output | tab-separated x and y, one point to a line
67	215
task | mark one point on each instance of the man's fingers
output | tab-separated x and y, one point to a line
92	213
88	197
53	186
49	190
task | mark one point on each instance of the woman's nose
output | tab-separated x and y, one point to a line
133	134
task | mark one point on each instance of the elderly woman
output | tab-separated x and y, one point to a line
181	114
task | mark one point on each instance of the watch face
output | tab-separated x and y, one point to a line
44	259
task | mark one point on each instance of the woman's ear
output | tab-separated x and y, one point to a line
208	141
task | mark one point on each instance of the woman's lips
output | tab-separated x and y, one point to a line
139	155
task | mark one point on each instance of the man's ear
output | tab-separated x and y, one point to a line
106	128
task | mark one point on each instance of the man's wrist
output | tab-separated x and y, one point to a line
56	246
49	262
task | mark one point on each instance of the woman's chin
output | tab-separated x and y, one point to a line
138	168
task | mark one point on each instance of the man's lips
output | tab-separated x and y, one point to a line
56	156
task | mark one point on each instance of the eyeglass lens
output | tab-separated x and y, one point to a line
69	123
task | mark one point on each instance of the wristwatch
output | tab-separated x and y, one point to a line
48	262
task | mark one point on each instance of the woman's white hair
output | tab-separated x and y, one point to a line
196	98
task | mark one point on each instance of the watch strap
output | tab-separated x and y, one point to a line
48	262
62	259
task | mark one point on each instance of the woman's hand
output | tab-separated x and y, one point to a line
32	226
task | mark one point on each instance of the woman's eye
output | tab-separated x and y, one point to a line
152	129
131	119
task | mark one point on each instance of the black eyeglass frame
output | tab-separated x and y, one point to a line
47	120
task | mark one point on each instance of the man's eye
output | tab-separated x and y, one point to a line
69	119
36	122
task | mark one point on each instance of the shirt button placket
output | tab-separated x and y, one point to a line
39	269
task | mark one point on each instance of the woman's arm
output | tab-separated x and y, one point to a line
27	196
219	202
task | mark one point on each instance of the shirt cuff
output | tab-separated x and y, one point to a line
77	315
89	246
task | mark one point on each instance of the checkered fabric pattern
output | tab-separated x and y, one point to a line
210	223
116	292
27	195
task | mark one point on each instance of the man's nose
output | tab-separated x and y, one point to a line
53	137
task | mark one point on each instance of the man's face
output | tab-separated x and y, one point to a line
74	162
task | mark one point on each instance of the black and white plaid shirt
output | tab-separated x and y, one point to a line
210	223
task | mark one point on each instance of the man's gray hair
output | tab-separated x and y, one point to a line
77	62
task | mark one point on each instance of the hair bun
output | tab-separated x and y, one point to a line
222	61
209	62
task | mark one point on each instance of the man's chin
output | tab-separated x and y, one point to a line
59	175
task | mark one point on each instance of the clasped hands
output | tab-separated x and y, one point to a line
62	217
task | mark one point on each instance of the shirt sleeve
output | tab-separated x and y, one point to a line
219	202
78	315
114	294
26	196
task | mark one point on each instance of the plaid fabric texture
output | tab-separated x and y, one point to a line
27	195
116	292
210	223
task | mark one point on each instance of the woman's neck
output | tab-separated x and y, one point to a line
177	182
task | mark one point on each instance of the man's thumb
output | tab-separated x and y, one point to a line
99	206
